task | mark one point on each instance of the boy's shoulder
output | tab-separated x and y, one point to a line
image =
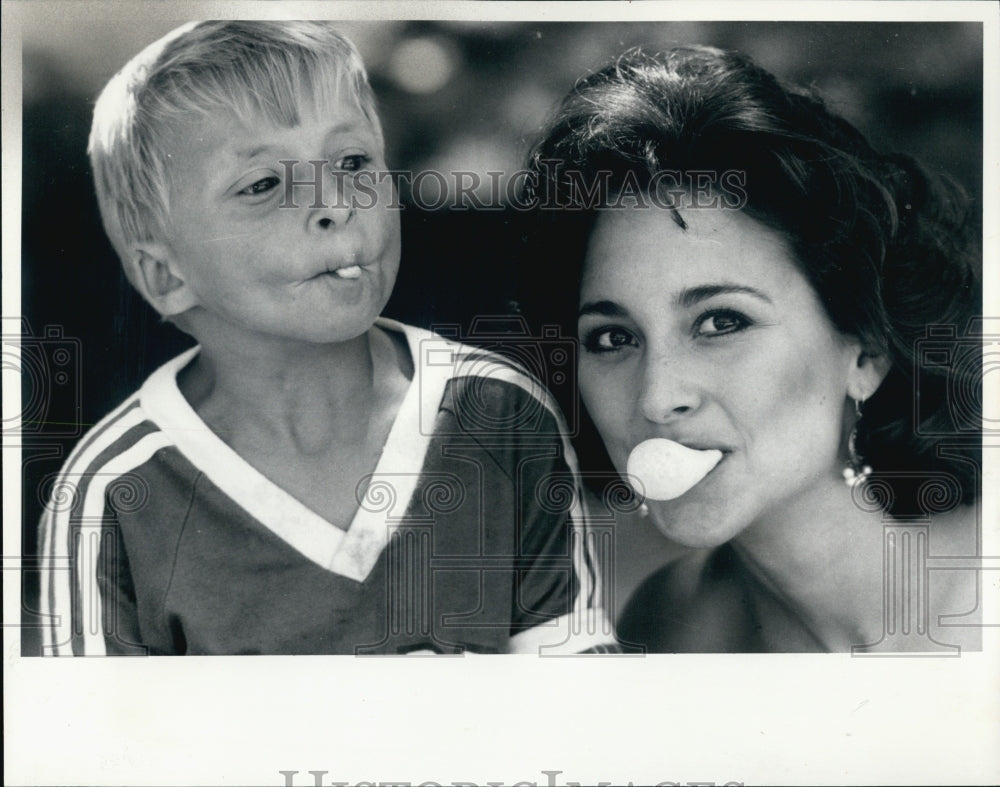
488	389
136	426
445	353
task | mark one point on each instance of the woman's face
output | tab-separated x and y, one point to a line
711	337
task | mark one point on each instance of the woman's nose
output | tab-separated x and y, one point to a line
667	389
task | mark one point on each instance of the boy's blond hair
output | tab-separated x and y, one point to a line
255	71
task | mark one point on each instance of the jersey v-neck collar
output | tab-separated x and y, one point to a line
351	553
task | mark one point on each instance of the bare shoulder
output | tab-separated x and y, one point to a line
696	604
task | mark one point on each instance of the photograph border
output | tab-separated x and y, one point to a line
705	719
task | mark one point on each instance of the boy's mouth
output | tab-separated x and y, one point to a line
350	272
342	270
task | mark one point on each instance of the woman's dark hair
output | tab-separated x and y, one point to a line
890	250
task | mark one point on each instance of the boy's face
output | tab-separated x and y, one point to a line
264	258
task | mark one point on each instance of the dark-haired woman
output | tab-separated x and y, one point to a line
755	289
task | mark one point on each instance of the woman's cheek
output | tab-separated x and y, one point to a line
804	418
607	402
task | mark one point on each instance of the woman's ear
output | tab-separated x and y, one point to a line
867	373
160	281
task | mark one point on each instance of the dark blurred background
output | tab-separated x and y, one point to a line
453	96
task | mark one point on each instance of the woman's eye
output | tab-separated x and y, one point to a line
353	163
719	323
608	340
261	186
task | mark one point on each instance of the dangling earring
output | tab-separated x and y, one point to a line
856	471
643	510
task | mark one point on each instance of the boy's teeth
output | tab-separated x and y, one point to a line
350	272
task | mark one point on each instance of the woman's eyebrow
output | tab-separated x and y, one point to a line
604	308
693	295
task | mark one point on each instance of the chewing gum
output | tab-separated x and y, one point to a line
666	470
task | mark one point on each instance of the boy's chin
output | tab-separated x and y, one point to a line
314	332
319	332
334	334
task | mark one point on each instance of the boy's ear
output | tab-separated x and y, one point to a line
160	281
867	373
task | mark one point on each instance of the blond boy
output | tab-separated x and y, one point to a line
305	479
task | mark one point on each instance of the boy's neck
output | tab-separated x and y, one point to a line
306	393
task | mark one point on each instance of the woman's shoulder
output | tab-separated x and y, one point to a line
696	604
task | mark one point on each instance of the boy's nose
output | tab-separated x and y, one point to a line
335	207
331	217
327	194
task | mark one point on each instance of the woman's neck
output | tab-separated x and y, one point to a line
820	565
820	561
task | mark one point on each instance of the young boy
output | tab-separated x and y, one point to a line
311	478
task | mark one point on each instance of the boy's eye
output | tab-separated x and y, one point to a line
261	186
719	323
609	340
353	162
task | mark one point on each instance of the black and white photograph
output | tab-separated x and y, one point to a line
515	393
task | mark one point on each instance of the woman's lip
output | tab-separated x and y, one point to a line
694	446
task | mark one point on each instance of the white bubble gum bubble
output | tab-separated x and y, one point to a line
666	470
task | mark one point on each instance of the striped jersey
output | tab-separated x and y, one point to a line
470	534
